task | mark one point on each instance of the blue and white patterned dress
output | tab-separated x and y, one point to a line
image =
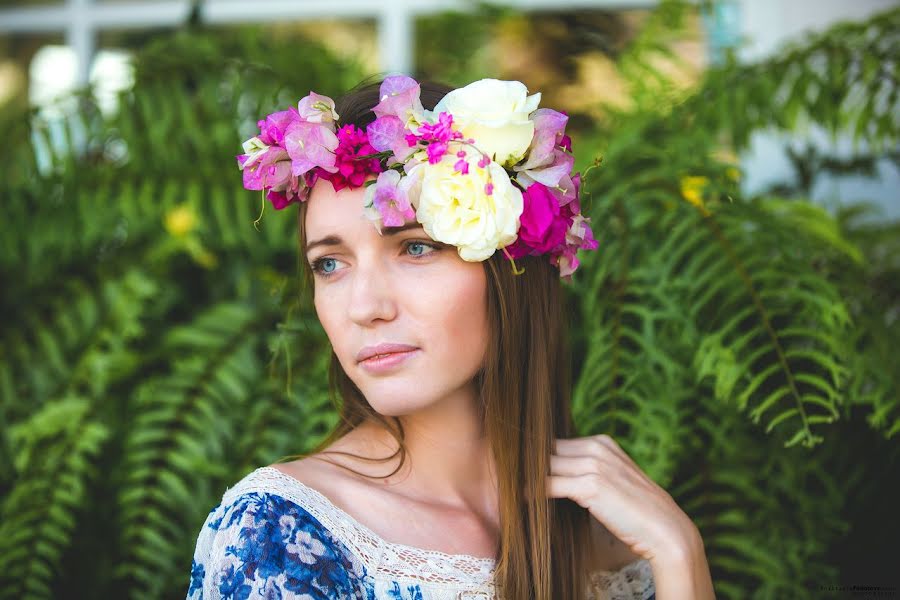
274	537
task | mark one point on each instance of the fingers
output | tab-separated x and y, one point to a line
575	465
578	488
595	445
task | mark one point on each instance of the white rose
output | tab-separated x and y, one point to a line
495	114
455	209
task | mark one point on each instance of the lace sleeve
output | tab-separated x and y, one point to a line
634	581
259	545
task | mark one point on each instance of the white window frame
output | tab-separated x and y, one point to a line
81	20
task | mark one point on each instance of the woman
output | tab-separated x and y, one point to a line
452	472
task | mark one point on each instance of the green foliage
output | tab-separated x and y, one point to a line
153	349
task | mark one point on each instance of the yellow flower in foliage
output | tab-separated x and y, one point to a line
733	173
692	188
181	220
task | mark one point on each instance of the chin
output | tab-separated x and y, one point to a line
394	407
395	397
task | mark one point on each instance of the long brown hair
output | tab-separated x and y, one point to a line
546	548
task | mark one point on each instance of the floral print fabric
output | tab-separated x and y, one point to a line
258	544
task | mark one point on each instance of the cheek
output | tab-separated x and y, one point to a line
328	315
462	320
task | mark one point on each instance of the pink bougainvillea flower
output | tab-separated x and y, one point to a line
388	133
310	145
547	162
270	169
254	149
578	237
391	200
399	96
351	170
551	173
295	190
549	126
580	234
565	190
316	108
567	261
279	200
542	224
274	126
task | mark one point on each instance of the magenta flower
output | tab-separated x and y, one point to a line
542	224
295	190
438	136
274	126
391	200
350	169
310	145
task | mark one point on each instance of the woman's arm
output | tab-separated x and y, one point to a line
596	473
683	572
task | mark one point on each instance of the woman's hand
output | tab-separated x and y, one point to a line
597	474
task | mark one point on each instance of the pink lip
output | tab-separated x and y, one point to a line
386	362
370	351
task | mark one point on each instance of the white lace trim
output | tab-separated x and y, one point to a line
634	580
400	562
381	557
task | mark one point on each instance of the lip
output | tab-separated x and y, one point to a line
369	351
386	362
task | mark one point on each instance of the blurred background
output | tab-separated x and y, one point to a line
735	332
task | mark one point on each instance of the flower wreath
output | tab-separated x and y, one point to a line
485	170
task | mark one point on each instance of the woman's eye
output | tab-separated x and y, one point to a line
418	248
324	267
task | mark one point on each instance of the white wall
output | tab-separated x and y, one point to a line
764	26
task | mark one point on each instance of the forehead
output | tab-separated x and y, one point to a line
330	213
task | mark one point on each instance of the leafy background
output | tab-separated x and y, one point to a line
154	347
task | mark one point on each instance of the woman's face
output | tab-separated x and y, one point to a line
400	287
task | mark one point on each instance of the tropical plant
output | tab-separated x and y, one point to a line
154	348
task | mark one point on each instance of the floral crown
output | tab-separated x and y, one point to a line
485	170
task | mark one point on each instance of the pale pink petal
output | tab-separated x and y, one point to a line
399	96
316	108
310	145
551	173
384	131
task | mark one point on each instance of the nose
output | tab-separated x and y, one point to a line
371	295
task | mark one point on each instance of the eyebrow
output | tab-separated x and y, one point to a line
333	240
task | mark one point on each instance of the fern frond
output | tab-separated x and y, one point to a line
787	353
178	442
80	341
56	452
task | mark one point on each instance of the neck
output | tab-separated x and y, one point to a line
449	460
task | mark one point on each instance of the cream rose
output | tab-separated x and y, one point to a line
495	114
455	209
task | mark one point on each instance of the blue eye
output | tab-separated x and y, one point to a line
318	268
419	248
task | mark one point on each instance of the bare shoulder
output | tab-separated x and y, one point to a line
333	474
613	552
